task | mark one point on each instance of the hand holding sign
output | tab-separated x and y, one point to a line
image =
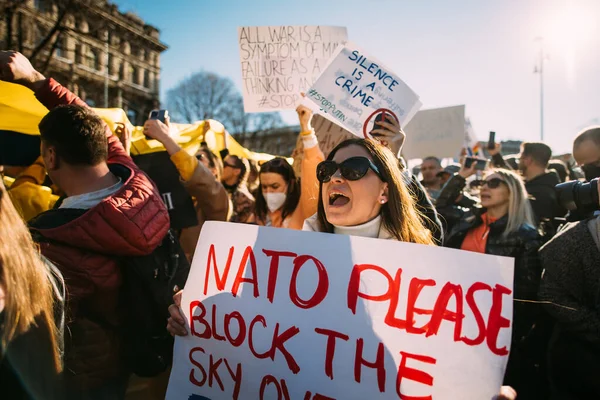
176	321
305	116
387	130
355	88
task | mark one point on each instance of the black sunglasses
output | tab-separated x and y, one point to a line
491	183
352	169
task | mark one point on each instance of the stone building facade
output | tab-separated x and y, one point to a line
108	58
276	141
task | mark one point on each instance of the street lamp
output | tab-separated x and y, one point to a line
539	69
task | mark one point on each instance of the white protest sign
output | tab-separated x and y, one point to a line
280	62
356	88
283	314
438	132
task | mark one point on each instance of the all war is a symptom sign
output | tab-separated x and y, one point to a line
282	314
355	88
280	62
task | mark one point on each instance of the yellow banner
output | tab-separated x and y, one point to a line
21	112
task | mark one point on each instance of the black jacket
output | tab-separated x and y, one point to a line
449	210
571	288
424	205
544	201
525	370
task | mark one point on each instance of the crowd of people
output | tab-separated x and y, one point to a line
69	221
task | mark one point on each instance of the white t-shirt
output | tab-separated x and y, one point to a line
88	200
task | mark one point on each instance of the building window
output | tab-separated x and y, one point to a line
39	34
147	82
61	48
111	70
132	115
92	60
134	75
42	5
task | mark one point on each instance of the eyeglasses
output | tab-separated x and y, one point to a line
352	169
491	183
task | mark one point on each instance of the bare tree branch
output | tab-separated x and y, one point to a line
63	9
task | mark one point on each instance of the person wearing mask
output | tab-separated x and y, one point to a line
430	168
281	201
570	291
199	177
586	151
31	341
539	181
111	210
504	226
362	192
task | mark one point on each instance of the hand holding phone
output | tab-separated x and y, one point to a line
480	164
492	141
160	115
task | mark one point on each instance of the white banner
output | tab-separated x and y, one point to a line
280	62
438	132
282	314
356	88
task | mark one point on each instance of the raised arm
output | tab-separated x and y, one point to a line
16	68
198	180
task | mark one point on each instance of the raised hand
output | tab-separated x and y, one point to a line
16	68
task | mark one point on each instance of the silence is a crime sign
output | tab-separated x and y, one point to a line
356	87
280	62
281	314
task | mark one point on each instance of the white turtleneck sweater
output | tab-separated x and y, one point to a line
369	229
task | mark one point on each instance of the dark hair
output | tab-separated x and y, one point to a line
539	152
213	160
590	133
241	163
253	174
433	158
77	134
560	168
279	166
400	215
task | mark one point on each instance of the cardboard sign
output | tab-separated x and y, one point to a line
280	62
438	132
356	88
282	314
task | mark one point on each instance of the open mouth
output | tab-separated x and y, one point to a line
485	197
337	199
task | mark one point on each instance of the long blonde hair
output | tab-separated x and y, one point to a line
519	208
24	278
400	216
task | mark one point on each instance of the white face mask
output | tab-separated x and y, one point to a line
275	200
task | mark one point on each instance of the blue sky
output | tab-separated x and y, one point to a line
478	53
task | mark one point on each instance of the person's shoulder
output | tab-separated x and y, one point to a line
567	237
311	224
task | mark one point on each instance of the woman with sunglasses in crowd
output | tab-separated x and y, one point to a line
503	225
362	192
200	176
